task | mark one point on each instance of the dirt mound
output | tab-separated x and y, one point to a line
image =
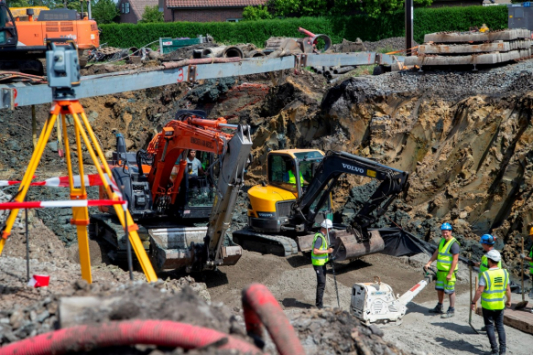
333	331
28	311
386	45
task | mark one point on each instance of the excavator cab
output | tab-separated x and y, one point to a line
197	191
289	174
8	31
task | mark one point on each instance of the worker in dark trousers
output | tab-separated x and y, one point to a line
319	258
447	256
493	289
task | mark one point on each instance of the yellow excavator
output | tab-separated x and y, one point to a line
297	197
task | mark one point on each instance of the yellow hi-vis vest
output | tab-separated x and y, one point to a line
292	178
484	265
322	259
493	298
445	258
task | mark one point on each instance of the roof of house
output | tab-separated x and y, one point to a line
213	3
138	6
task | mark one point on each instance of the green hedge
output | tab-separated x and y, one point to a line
426	20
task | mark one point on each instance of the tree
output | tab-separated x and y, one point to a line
373	8
152	14
105	11
253	13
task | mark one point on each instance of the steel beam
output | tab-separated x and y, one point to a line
24	94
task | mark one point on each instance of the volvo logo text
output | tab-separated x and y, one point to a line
353	168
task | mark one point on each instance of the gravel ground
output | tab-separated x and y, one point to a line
424	334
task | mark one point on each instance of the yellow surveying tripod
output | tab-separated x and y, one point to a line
63	73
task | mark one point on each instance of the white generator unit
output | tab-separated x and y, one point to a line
376	302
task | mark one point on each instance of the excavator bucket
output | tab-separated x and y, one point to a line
171	248
346	245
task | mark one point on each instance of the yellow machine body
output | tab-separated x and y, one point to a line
270	205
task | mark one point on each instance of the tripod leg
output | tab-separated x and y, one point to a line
30	171
133	236
80	215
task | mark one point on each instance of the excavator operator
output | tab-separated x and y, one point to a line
194	169
289	176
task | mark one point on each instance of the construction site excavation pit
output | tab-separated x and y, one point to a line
465	138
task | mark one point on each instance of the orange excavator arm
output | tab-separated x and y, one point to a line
175	138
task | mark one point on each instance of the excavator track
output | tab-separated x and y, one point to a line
263	243
105	228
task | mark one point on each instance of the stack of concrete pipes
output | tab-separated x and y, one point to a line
227	52
333	74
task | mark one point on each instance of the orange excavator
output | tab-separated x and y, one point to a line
23	38
170	204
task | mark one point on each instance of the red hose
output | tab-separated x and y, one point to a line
260	306
155	332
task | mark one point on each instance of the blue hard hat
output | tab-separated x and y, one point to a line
446	227
487	239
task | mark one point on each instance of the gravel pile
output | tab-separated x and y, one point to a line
334	331
506	80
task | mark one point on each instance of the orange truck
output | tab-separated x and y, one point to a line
23	37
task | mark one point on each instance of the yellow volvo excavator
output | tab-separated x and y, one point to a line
284	211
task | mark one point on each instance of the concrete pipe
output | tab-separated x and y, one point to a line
255	54
225	52
326	39
348	247
233	52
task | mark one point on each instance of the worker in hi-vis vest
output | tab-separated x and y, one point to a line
495	294
290	177
447	256
487	243
319	258
529	258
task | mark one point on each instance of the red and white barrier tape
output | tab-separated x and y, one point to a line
62	181
59	204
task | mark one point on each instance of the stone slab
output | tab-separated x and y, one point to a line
521	319
465	37
489	58
499	46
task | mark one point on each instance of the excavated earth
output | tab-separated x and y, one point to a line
465	137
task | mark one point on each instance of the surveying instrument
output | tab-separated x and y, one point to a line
63	71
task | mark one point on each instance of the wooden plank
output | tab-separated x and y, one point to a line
521	319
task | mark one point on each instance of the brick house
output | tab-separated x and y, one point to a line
206	10
131	11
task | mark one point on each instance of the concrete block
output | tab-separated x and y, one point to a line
489	58
462	37
498	46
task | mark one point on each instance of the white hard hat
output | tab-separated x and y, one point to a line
494	255
327	224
